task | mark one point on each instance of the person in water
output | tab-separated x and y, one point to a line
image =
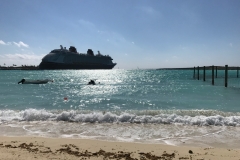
92	82
22	81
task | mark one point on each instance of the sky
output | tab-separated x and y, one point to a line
144	34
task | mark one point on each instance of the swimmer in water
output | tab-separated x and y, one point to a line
22	81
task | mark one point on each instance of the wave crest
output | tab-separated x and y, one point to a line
158	117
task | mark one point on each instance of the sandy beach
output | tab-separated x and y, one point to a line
28	148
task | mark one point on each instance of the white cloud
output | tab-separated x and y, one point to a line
20	59
149	10
230	44
3	43
20	43
21	56
86	24
113	38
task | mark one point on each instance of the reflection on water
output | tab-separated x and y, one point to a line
118	90
151	106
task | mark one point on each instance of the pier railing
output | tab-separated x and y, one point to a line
218	75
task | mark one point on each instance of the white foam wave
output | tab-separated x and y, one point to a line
125	117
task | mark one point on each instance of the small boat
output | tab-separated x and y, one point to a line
24	81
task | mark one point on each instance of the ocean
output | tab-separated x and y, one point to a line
143	106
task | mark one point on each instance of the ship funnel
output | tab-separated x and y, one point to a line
61	46
73	49
90	52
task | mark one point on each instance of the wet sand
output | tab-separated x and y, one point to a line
28	148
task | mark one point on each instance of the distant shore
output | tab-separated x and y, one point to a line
201	68
190	68
20	68
186	68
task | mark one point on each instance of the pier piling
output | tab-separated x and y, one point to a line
226	75
194	72
215	71
198	72
204	73
212	74
237	71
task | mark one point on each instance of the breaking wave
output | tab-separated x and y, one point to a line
186	117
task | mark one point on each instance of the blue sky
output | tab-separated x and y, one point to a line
135	33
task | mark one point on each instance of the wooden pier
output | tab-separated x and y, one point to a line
215	68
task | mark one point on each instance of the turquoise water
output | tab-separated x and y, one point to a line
156	106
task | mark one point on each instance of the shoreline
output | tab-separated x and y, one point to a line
32	147
184	68
19	68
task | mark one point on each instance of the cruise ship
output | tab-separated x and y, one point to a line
70	59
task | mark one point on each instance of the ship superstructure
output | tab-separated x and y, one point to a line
70	59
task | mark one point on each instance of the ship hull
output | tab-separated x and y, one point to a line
55	66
